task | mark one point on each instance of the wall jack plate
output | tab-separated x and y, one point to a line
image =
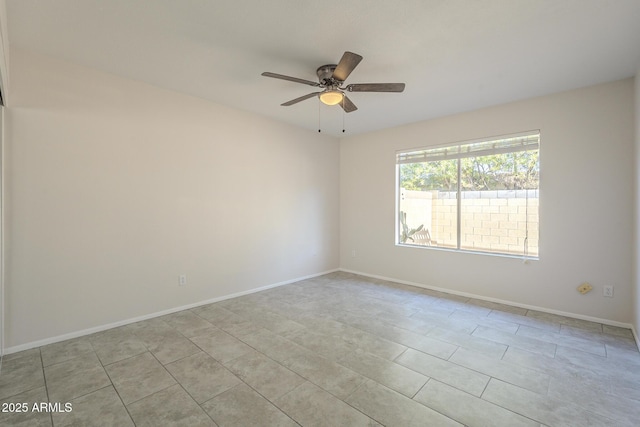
607	291
584	288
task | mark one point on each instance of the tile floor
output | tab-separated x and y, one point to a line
337	350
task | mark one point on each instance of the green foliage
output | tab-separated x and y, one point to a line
511	171
407	234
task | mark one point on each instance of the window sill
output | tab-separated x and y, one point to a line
468	251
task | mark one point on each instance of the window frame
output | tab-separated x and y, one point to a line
405	156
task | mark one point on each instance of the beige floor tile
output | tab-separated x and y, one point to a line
449	373
101	408
116	344
621	342
594	396
577	343
274	322
154	326
593	361
408	338
75	377
267	377
20	374
467	409
242	406
413	323
445	296
464	305
25	416
188	323
489	322
420	301
357	338
467	341
220	345
33	352
525	320
275	346
372	344
202	376
65	350
390	374
563	320
627	357
241	329
527	378
327	345
393	409
546	410
332	377
169	407
220	316
498	307
170	346
139	377
532	360
626	386
239	305
531	344
617	331
309	405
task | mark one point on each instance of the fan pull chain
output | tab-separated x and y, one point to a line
343	115
319	118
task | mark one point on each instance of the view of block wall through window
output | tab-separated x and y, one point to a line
492	221
481	196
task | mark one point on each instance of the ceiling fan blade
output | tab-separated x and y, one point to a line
376	87
302	98
347	105
347	63
291	79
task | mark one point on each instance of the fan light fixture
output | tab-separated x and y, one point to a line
331	78
331	97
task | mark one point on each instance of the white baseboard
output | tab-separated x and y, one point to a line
500	301
100	328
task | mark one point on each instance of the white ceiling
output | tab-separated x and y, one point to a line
453	55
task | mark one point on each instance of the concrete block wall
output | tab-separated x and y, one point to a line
494	221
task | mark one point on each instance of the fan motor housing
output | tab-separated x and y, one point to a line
325	75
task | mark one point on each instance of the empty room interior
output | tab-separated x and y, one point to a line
235	213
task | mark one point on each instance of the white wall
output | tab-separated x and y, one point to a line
585	214
116	187
636	252
4	79
4	51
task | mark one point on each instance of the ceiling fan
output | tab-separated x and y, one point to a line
331	78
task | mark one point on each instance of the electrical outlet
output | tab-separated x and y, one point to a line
607	291
182	280
353	253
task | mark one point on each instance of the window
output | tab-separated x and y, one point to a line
479	196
